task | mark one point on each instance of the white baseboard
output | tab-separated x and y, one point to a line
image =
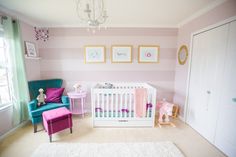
14	129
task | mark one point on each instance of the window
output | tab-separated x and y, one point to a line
5	98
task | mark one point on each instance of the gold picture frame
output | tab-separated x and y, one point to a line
148	53
183	54
121	53
94	54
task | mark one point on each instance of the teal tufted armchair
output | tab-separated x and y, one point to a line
35	112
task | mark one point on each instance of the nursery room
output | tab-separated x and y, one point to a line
122	78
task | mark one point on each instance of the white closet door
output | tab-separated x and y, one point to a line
226	125
206	71
196	97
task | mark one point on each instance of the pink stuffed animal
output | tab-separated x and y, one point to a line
165	108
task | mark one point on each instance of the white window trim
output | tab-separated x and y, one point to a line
6	105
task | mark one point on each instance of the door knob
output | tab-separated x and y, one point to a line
208	92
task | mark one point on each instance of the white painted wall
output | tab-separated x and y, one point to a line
6	120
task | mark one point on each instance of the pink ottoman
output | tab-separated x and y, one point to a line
56	120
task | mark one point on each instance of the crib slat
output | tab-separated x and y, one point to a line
98	104
121	102
134	105
93	105
103	105
130	103
149	96
147	112
107	105
116	110
112	105
126	102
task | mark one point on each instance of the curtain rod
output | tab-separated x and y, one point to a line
3	17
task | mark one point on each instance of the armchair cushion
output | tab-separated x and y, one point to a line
49	106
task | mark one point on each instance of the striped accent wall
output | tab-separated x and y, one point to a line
63	57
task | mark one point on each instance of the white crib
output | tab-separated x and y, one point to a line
113	105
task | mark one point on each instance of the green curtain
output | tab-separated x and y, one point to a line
17	74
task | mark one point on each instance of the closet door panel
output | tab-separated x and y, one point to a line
216	45
197	106
206	70
226	125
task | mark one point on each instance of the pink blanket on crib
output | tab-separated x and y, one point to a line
141	101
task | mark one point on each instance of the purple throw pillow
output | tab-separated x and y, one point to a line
54	95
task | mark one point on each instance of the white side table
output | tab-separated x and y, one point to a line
80	96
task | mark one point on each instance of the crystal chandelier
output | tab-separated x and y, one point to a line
41	33
92	12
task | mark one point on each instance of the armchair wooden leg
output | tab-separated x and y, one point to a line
43	127
50	138
71	130
35	128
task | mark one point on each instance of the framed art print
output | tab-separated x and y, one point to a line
30	49
121	54
148	54
95	54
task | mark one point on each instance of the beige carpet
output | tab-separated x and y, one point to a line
24	142
145	149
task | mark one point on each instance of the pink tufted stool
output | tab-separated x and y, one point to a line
56	120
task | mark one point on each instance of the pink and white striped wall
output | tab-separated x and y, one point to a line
63	57
32	66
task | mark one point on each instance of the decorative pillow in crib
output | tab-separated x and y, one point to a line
53	95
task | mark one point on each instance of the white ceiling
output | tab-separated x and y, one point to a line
122	13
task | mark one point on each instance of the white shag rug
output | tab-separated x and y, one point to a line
145	149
